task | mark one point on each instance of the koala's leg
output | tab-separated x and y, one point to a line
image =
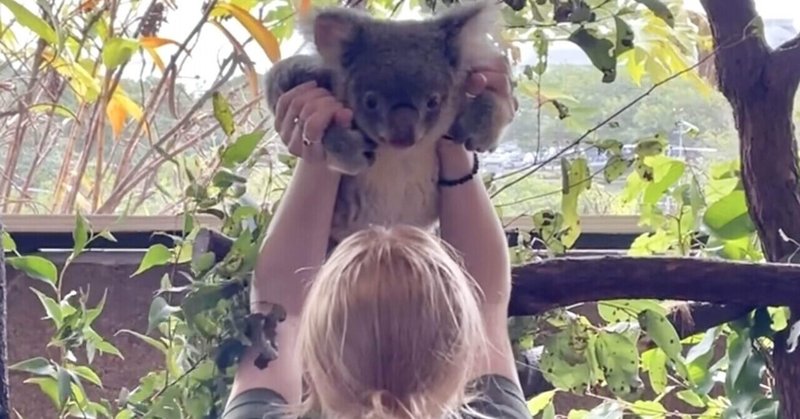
347	150
480	124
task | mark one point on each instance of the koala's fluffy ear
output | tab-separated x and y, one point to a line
467	28
332	31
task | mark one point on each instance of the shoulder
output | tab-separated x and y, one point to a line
496	396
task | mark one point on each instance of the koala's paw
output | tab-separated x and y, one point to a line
478	127
348	151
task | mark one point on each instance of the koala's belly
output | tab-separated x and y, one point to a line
391	192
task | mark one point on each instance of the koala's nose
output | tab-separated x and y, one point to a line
403	126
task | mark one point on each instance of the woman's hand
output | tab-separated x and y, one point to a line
496	78
303	114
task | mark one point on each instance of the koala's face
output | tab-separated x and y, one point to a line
402	79
403	91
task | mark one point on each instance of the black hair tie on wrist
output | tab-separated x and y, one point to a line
465	178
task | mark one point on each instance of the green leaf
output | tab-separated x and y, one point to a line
665	173
599	51
577	180
88	374
159	312
650	147
156	255
618	358
549	412
64	389
616	166
625	36
222	112
649	409
161	346
691	398
117	51
728	218
48	386
80	234
225	179
540	401
644	170
614	311
35	366
31	21
660	10
654	361
566	359
662	332
703	347
241	149
51	307
7	242
36	267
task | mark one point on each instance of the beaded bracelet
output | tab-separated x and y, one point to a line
463	179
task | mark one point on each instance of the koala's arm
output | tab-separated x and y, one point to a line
293	71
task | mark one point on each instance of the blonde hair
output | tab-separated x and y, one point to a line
390	329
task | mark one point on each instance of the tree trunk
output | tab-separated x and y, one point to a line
5	410
760	84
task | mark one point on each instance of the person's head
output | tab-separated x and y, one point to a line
390	328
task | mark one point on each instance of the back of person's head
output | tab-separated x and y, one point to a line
390	328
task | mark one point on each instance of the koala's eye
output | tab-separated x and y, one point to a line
371	101
434	101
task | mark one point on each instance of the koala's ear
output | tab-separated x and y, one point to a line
467	28
332	31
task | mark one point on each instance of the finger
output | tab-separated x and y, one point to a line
498	82
286	99
318	122
292	116
295	145
476	83
315	104
344	117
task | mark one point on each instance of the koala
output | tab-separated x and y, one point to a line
405	83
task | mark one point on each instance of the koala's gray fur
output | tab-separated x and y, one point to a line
404	81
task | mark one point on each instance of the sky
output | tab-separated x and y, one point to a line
213	47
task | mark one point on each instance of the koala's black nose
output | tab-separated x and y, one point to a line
403	126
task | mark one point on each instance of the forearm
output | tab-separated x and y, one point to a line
297	240
469	224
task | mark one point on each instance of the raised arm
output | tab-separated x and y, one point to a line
297	240
469	223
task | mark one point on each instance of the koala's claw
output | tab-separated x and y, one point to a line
476	127
348	151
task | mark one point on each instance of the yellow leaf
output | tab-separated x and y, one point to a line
156	59
155	42
265	38
86	87
116	117
88	5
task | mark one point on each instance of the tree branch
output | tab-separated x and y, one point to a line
542	286
787	59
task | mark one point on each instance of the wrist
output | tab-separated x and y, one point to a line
458	168
455	160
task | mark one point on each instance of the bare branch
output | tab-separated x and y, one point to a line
542	286
787	59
